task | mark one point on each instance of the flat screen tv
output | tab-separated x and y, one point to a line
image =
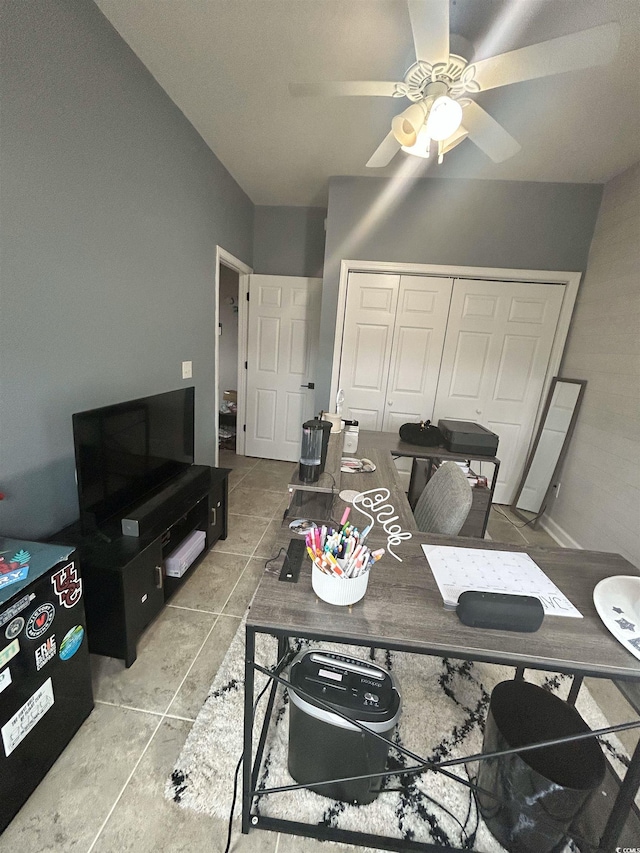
127	451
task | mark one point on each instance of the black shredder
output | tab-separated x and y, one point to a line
324	746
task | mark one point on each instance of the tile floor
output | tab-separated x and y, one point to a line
105	792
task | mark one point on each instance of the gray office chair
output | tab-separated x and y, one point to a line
445	501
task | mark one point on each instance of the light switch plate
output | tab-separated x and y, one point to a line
187	369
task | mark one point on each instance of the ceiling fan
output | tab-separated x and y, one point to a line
441	114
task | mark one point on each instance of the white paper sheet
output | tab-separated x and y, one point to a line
459	569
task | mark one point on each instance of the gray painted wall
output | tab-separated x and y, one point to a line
598	504
289	241
111	206
462	222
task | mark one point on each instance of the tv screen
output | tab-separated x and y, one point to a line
127	451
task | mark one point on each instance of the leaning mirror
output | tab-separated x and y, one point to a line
549	448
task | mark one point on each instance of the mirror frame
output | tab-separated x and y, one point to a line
563	452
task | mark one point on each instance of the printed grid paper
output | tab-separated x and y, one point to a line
457	570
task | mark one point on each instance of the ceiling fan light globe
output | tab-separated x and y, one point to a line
421	146
406	126
445	117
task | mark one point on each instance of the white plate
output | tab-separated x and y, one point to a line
302	526
617	600
347	495
357	466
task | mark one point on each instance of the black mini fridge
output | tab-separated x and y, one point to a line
45	680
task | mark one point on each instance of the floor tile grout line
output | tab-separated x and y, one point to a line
163	716
253	553
129	708
246	474
124	787
179	717
191	665
217	619
208	612
235	553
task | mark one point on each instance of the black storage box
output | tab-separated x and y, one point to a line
467	437
324	746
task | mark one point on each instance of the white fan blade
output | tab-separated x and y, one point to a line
385	152
488	135
338	88
455	139
585	49
430	26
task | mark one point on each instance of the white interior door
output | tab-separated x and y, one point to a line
370	315
416	353
496	352
284	325
392	346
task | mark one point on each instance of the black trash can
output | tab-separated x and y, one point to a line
537	793
324	746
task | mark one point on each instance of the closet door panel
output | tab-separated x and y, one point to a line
366	346
392	346
496	352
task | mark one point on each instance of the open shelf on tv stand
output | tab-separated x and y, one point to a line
125	583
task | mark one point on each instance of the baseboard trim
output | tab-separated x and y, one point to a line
561	536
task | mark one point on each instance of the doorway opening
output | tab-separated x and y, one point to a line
228	357
230	350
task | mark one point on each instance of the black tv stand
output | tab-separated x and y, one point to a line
124	577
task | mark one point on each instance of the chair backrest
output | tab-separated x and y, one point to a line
445	501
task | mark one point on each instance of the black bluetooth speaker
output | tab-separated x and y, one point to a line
498	610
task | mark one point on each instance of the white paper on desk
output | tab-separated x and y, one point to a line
459	569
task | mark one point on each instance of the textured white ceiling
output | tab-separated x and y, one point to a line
227	65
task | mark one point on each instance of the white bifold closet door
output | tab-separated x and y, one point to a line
496	352
392	347
284	325
422	347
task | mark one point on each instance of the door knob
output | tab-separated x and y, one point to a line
311	385
478	411
389	402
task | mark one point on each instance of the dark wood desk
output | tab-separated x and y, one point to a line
391	444
382	448
403	610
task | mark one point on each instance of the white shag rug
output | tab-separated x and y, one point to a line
443	712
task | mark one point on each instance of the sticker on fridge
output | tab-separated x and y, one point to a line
71	642
9	652
40	620
25	718
5	679
14	570
67	585
23	602
14	628
45	652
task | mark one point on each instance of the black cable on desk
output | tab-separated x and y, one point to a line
277	556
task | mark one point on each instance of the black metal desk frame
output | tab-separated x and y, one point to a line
615	822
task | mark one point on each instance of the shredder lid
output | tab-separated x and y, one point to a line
360	689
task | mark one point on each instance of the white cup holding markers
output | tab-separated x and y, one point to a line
341	562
